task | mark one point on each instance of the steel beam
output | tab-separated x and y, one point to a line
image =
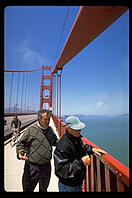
90	22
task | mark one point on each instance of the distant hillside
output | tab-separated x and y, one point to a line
84	116
12	109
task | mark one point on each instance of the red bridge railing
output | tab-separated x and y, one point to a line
105	173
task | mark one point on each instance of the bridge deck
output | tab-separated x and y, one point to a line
13	170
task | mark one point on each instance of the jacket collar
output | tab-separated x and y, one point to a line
41	126
73	137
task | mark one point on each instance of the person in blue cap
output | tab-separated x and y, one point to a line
70	157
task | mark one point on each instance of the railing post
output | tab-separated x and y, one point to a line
98	175
120	186
105	173
107	179
92	173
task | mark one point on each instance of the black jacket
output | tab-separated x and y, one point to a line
69	167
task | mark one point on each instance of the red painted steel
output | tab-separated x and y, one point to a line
46	87
105	174
118	168
22	70
89	23
25	113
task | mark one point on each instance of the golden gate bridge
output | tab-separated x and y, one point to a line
105	174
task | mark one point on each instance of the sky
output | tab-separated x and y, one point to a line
95	81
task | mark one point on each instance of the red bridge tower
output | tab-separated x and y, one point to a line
46	88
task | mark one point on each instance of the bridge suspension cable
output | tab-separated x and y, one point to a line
62	32
22	70
90	22
21	95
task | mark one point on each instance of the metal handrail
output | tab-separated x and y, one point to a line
105	173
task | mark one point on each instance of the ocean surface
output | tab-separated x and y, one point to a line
110	133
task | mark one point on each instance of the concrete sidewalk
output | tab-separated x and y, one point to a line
13	170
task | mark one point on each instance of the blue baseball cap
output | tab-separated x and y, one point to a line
74	123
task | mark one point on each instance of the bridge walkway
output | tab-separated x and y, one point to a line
13	170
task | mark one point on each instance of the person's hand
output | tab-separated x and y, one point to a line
98	152
21	156
86	160
17	130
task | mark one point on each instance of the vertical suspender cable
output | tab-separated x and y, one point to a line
15	102
29	93
57	95
11	91
22	91
60	96
54	94
26	91
59	99
41	89
57	79
17	92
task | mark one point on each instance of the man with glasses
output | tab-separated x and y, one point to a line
35	147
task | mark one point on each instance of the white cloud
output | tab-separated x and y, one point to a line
24	54
99	104
30	56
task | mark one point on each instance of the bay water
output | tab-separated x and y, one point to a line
110	133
